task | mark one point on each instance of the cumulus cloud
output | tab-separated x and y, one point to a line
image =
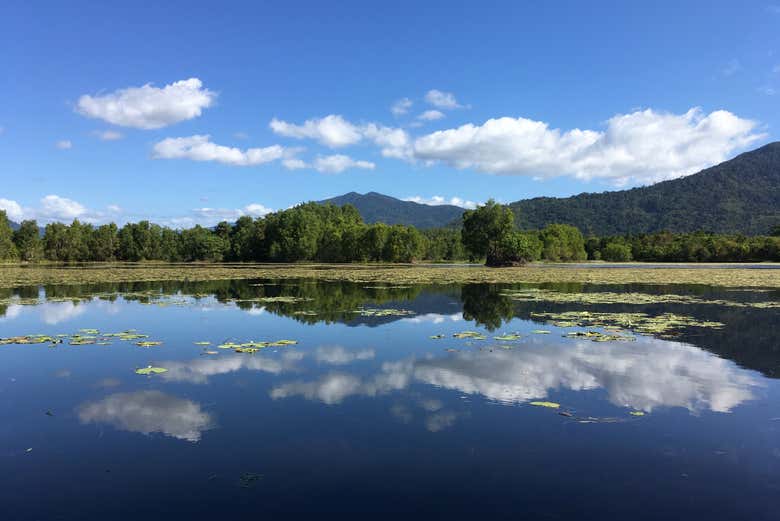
643	146
335	132
108	135
438	200
54	207
401	107
442	100
332	131
64	144
207	216
12	209
147	412
337	163
200	148
431	115
149	107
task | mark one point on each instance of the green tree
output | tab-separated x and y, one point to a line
484	229
562	242
7	247
616	252
28	241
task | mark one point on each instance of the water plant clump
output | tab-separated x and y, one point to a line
631	298
383	312
664	325
471	335
150	370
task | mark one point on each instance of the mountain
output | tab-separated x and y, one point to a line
374	207
741	195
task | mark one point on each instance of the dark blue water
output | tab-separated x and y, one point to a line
369	417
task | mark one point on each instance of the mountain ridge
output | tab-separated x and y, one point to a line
740	195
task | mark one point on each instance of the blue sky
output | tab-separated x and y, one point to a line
191	112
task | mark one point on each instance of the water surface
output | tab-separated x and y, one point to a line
367	415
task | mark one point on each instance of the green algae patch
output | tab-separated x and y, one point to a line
150	370
549	405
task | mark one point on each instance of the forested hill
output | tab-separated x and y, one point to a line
375	207
741	195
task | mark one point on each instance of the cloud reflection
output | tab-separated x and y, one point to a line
199	370
642	375
147	412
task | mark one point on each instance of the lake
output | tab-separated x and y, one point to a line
295	399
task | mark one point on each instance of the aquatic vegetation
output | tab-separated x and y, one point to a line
472	335
436	337
541	332
633	298
550	405
248	479
383	312
636	413
16	275
663	325
148	343
508	337
150	370
204	343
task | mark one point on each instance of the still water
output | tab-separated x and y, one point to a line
393	401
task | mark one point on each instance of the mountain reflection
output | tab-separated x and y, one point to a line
147	412
643	375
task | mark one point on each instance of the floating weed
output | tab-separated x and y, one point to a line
383	312
540	332
148	343
436	337
210	352
633	298
550	405
509	337
636	413
664	325
150	370
202	343
473	335
89	331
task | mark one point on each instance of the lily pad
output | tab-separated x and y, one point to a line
150	370
551	405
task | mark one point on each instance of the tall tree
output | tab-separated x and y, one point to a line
7	247
484	229
28	241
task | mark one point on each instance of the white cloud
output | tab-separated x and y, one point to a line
12	209
147	412
199	148
257	210
333	130
294	163
211	216
108	135
149	107
442	100
643	146
431	115
64	144
113	208
54	207
338	163
394	142
767	90
438	200
401	107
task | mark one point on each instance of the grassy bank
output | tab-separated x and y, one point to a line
18	275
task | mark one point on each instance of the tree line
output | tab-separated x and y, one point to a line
328	233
